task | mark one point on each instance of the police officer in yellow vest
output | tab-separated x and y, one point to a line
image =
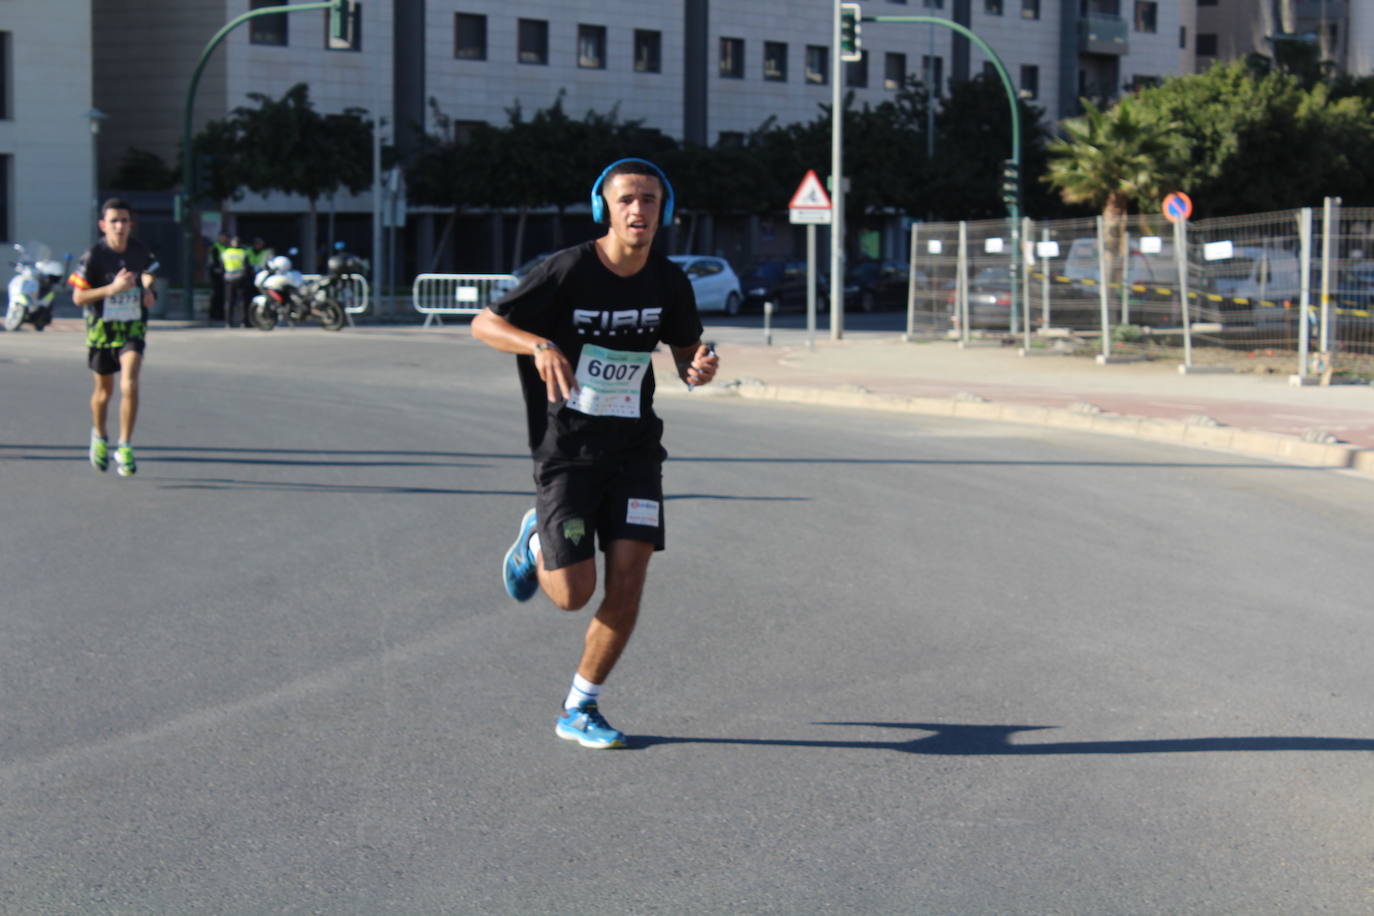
258	257
235	260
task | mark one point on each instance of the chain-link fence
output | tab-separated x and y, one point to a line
1235	282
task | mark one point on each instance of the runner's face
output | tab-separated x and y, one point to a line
633	202
116	226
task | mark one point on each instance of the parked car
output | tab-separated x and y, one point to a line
714	281
783	283
871	285
989	299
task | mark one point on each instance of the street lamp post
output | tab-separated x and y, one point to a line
95	116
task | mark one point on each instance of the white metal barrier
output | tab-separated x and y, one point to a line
436	295
355	294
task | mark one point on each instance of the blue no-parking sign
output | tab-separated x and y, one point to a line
1177	207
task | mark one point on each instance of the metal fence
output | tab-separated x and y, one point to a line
436	295
1293	280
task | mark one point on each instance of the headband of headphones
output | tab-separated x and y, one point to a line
599	202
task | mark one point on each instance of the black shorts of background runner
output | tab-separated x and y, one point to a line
576	500
105	360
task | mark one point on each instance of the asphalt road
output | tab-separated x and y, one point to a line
887	664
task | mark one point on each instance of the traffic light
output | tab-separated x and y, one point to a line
340	20
850	13
1011	183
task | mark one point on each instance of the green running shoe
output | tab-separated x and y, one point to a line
100	453
124	461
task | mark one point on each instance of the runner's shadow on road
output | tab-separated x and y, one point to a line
994	741
276	457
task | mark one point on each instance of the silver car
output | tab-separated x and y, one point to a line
713	280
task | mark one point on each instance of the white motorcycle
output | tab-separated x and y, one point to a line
286	296
33	286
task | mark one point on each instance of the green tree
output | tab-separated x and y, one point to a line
1109	159
1263	142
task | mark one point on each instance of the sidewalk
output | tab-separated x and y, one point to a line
1257	414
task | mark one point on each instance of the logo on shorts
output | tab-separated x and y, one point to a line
574	529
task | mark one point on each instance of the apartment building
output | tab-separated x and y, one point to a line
46	119
1341	30
700	71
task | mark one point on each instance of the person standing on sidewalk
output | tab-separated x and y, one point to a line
113	283
583	325
257	258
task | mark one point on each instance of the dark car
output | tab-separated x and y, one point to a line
781	282
872	285
989	299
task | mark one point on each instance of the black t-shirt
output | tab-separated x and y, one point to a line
98	267
607	326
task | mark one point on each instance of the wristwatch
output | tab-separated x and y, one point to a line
544	345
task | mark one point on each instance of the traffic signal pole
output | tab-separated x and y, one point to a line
186	202
1011	176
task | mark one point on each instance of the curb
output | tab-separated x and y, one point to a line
1274	446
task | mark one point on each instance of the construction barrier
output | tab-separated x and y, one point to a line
436	295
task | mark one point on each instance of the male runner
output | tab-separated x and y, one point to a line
583	324
113	282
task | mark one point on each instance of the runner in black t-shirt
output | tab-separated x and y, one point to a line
114	281
583	325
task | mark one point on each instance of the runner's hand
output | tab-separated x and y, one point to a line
704	365
556	372
123	280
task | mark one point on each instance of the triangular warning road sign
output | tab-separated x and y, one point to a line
810	195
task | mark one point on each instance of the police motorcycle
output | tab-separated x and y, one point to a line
33	286
286	296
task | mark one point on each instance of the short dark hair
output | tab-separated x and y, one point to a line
633	167
115	203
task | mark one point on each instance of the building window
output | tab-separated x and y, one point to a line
4	83
1206	44
932	74
856	71
267	30
1030	81
1183	37
470	36
352	38
732	58
990	72
992	7
1146	16
1206	2
935	4
533	38
893	70
591	47
1030	9
817	65
775	61
648	51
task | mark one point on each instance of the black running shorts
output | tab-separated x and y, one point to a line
105	360
615	500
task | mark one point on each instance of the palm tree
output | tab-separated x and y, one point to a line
1108	159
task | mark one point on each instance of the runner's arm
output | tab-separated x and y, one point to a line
124	280
554	368
696	363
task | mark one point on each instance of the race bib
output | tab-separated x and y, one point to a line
609	382
125	306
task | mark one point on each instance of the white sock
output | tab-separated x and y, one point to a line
533	543
582	690
95	436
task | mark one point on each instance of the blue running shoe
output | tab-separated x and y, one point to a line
518	569
588	727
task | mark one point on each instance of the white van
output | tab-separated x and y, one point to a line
1268	276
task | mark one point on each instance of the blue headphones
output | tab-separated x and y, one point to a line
599	202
